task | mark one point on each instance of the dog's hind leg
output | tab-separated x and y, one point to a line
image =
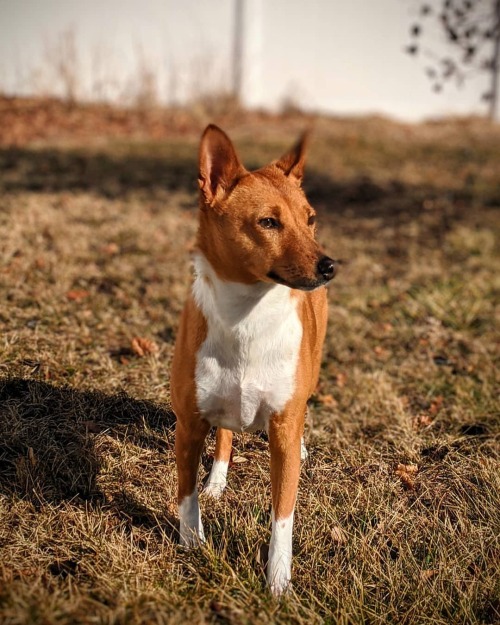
217	479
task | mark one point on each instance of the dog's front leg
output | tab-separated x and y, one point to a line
189	440
284	441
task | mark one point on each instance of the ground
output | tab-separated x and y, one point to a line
398	511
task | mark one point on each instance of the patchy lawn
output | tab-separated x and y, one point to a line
398	511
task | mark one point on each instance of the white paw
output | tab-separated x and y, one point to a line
214	489
279	565
191	537
190	527
217	479
278	577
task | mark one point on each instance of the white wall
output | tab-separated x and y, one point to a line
341	56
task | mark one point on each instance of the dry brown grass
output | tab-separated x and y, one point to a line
398	512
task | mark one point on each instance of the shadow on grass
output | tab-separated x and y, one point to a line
174	169
53	170
47	437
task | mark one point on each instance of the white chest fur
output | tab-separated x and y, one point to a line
245	368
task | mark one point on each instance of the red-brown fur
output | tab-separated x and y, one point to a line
232	203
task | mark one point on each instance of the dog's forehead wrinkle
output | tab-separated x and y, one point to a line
268	189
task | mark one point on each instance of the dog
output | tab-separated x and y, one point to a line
248	349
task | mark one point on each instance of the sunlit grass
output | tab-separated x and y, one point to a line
94	252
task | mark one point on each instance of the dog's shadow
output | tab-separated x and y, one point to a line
48	442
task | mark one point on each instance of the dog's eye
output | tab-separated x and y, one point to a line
269	223
311	220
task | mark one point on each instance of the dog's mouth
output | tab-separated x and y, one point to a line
301	285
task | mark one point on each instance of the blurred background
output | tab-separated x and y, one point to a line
407	59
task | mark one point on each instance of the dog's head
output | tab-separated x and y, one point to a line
258	226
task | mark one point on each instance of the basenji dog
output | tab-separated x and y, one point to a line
248	349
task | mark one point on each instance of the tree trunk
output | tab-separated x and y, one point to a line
495	69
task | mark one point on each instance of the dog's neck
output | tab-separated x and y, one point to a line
233	302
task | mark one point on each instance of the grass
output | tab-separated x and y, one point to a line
397	518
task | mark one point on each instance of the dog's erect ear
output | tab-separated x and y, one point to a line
219	165
292	163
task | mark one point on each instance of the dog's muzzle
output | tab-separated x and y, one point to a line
326	268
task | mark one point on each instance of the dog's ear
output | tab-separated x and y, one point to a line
219	165
292	163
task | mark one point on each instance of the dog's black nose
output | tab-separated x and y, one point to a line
327	267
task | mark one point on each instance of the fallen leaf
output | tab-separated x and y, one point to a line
111	249
338	535
421	421
239	459
407	474
32	457
75	295
142	347
327	400
436	405
412	469
341	379
381	352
